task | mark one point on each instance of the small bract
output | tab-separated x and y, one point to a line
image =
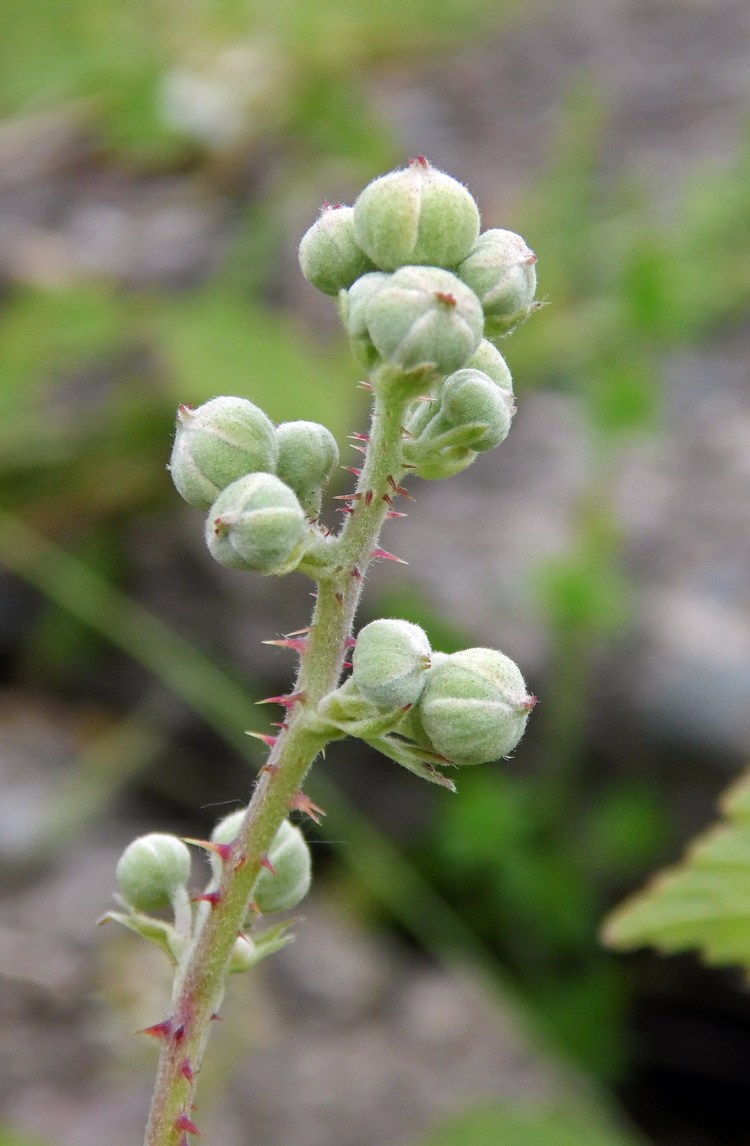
215	444
475	706
417	215
257	523
151	869
425	317
329	254
391	659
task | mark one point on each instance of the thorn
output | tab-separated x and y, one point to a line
186	1070
347	497
399	488
425	398
355	573
369	496
406	433
269	740
352	470
223	851
394	513
360	437
182	1122
388	500
161	1030
216	1018
303	803
212	897
266	863
361	449
300	632
339	598
271	769
297	645
344	509
279	724
348	665
286	701
365	386
388	556
351	642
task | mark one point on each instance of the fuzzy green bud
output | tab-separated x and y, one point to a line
151	869
308	455
424	317
490	361
329	255
215	444
416	216
391	660
471	398
257	523
288	855
501	270
475	706
353	310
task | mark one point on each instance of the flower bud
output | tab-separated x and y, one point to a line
353	311
289	882
425	317
308	455
257	523
215	444
329	255
416	216
489	360
471	398
501	270
391	659
475	706
151	869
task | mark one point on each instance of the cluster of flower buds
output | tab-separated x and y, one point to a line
154	871
422	290
262	484
425	708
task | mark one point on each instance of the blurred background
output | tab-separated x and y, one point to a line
158	164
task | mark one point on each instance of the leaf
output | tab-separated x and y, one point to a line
703	902
157	931
524	1124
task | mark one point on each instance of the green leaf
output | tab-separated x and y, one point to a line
520	1124
157	931
701	903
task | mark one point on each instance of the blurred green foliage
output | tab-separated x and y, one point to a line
519	1124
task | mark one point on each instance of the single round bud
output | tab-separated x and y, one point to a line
490	361
329	255
475	706
391	660
257	523
425	317
470	397
289	882
416	216
217	443
308	455
501	270
152	869
353	311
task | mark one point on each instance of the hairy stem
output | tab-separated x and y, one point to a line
201	980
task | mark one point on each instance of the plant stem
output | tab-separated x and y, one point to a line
200	982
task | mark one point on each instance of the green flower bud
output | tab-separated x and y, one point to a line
329	255
416	216
353	311
425	317
489	360
475	706
391	659
308	455
217	443
289	883
501	270
244	955
470	397
257	523
151	870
